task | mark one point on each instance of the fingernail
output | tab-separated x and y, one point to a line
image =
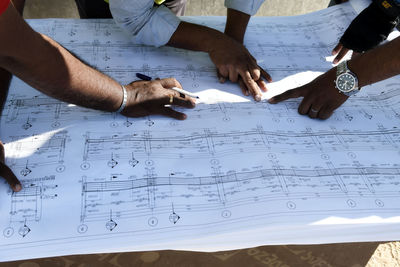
257	97
271	100
17	187
335	61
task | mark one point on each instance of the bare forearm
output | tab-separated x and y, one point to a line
195	37
378	64
19	5
236	24
83	86
53	70
5	76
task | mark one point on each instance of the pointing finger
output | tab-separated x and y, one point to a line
294	93
251	86
10	177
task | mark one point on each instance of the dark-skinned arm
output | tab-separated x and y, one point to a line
47	66
321	94
149	24
236	24
232	59
5	78
54	71
235	27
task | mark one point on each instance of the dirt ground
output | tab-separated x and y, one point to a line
346	255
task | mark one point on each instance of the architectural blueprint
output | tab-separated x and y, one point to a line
235	174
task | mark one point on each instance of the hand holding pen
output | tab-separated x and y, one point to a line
156	97
182	92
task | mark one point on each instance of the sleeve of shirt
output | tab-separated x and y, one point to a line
145	23
3	5
249	7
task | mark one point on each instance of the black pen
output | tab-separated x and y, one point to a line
143	77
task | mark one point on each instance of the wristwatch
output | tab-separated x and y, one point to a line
346	81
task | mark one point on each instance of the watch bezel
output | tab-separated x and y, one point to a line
354	78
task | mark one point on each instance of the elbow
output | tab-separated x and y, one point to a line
128	25
129	20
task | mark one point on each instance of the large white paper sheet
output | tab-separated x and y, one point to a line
234	174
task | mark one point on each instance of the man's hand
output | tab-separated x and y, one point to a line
321	97
340	51
7	173
231	58
234	62
155	97
366	31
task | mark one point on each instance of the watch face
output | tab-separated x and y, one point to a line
345	82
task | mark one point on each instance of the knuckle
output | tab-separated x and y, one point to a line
256	76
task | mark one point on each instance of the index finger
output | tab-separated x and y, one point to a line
251	85
10	177
293	93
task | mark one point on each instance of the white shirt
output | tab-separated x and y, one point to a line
154	25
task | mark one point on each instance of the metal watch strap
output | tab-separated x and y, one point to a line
341	68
